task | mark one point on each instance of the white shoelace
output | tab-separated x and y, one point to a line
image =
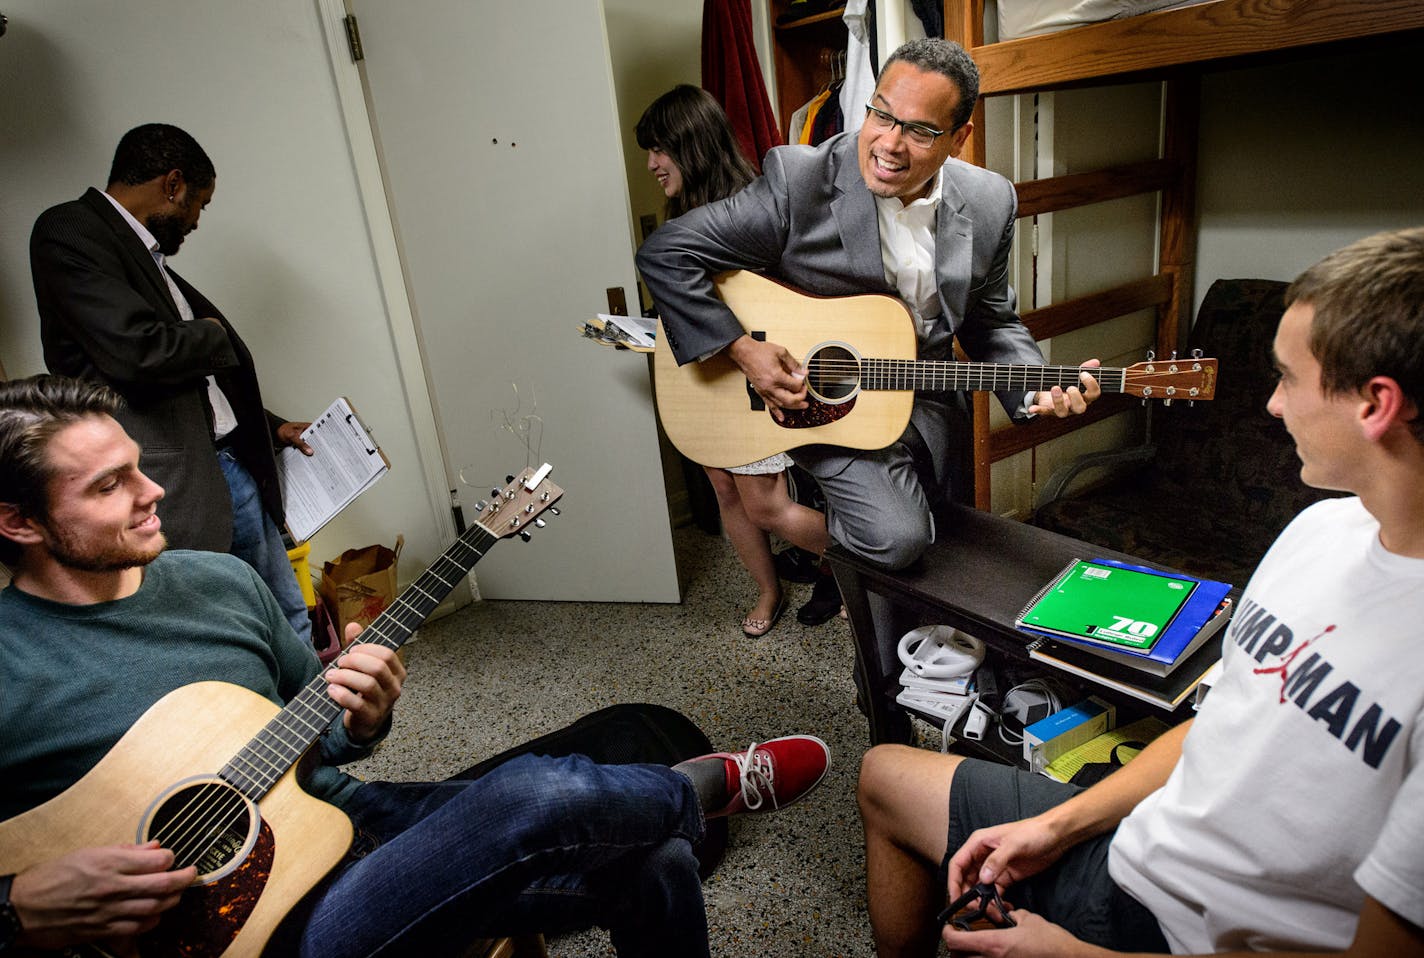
756	774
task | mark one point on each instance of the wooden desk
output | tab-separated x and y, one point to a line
980	573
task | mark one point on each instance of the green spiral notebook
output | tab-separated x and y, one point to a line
1109	603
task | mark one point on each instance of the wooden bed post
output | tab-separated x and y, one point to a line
1182	112
964	24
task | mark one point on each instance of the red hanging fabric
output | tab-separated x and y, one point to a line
732	74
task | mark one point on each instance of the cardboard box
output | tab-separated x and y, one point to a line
1066	729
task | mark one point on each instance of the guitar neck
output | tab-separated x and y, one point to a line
950	376
258	766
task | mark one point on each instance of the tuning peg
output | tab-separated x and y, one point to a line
1167	401
481	506
508	479
495	493
539	523
525	536
554	511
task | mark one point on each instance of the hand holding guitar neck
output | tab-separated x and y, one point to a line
1072	401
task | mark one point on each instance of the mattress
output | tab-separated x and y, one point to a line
1026	18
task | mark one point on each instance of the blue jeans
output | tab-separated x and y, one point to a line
539	844
257	541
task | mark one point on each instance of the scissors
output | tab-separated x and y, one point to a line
986	894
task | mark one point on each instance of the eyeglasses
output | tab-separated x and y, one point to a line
917	133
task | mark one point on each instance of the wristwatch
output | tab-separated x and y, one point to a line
9	918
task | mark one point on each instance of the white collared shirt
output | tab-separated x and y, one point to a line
907	248
224	419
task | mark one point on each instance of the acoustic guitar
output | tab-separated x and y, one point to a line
209	771
713	416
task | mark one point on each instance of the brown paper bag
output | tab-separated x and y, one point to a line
359	584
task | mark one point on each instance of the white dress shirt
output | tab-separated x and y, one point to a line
224	419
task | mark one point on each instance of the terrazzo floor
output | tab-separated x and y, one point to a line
496	674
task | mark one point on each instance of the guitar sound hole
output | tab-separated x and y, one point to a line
833	373
206	823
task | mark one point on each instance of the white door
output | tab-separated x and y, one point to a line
503	165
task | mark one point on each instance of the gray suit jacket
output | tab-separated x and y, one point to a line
810	221
106	314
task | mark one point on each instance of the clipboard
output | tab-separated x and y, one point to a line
345	462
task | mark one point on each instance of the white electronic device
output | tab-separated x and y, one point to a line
978	721
939	652
945	708
958	685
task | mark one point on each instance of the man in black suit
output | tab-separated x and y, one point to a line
111	310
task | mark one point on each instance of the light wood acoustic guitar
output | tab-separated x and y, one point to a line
713	416
210	772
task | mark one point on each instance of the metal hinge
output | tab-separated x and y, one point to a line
353	38
1034	240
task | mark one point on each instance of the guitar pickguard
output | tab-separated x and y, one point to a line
208	917
816	414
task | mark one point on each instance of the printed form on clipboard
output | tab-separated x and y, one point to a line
345	462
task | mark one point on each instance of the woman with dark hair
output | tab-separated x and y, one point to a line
695	157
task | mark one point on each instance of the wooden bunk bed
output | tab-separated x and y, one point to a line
1175	46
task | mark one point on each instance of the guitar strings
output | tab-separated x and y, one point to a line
195	830
949	374
528	429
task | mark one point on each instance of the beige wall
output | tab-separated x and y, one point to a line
283	249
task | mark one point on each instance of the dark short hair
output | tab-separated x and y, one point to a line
949	59
153	149
690	126
1368	300
32	411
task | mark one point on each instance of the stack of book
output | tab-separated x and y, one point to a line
1148	633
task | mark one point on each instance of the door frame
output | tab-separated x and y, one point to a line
390	272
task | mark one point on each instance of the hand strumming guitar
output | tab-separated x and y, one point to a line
96	894
776	375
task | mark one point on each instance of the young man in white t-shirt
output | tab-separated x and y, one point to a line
1289	815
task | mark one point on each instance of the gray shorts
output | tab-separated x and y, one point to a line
1077	891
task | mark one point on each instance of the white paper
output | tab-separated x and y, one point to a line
641	330
345	462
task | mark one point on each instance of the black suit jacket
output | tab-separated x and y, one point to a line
106	313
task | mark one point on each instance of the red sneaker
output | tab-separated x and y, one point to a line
774	774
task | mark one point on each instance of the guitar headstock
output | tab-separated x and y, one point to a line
1190	378
516	508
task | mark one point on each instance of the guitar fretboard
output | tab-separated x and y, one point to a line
950	376
262	761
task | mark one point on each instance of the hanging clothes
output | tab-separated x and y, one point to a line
931	14
828	120
859	83
732	74
801	133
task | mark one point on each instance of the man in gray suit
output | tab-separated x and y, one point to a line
111	310
888	211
